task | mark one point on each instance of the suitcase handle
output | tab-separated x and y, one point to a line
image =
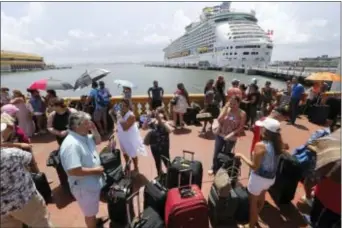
180	175
127	170
129	200
189	152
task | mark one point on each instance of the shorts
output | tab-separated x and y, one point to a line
156	104
257	184
100	114
88	200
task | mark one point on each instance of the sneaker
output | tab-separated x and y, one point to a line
210	172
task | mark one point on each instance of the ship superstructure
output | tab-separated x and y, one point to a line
222	38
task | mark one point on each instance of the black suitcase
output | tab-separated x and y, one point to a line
318	114
149	218
55	161
116	201
42	186
180	163
227	161
242	211
110	159
287	178
155	194
117	196
222	209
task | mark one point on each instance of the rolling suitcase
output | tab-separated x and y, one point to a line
110	159
181	163
186	206
149	218
221	209
242	211
155	194
55	161
42	186
117	196
204	116
287	178
230	163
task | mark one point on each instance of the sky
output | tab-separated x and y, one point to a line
97	32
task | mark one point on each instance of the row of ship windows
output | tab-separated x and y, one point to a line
245	53
248	36
243	59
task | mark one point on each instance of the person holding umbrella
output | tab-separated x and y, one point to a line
100	103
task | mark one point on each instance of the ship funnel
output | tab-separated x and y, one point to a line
253	12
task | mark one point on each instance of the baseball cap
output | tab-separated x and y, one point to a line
3	127
270	124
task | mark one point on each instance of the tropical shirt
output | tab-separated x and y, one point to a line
17	186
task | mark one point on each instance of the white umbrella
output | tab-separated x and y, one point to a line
89	77
124	83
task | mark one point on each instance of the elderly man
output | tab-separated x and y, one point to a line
21	203
81	162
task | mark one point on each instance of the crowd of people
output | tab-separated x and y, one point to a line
78	129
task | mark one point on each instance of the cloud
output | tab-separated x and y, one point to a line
116	31
15	32
79	34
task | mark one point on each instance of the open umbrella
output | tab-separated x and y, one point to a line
53	84
324	76
89	77
124	83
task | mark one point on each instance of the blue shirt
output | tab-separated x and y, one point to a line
297	91
93	94
269	163
80	151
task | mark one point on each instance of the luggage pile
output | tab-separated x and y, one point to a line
228	203
175	199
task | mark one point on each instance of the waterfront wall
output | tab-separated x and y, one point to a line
141	104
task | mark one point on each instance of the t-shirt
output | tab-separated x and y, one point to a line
257	98
234	92
297	91
156	93
93	94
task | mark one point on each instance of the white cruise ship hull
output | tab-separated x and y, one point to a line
221	39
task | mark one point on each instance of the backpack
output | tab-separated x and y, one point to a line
103	98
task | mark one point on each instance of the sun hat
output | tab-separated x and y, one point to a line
270	124
9	109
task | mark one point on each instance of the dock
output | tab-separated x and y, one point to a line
279	73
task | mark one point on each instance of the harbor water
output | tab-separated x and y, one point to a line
142	77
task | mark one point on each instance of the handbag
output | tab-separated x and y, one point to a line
174	100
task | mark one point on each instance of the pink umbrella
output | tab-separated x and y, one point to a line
9	109
47	84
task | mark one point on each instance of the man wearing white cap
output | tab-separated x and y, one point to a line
263	165
21	203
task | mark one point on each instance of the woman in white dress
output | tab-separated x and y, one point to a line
182	103
129	137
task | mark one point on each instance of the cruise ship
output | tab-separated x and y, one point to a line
222	38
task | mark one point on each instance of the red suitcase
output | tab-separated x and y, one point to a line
186	207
